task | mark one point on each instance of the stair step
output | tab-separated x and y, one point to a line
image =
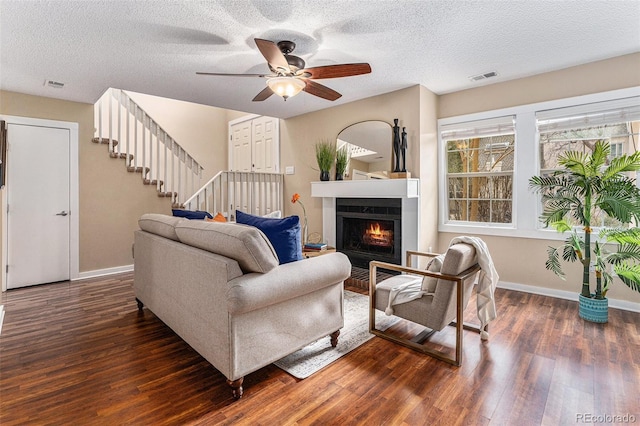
155	182
121	155
104	141
138	169
167	194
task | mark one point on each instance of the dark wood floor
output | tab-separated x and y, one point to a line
81	353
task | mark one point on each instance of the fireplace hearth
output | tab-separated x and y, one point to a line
369	229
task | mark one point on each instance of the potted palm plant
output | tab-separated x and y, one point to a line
342	159
325	156
588	185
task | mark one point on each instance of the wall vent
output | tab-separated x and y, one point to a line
483	76
54	84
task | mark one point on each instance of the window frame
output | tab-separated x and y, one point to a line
526	207
495	127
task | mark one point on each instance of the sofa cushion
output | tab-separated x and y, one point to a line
245	244
189	214
160	224
284	234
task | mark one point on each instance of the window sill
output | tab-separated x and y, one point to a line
506	230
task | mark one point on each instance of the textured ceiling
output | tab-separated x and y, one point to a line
156	47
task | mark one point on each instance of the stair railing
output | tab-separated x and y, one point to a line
147	148
251	192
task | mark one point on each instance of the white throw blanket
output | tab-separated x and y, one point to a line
402	289
487	281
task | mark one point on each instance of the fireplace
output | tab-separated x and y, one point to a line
369	229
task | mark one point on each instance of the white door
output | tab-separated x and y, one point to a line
241	147
38	189
254	145
265	150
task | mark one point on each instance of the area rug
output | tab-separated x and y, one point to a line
312	358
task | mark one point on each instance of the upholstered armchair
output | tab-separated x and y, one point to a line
434	297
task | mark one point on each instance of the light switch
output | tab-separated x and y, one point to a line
289	170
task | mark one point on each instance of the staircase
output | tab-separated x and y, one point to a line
131	134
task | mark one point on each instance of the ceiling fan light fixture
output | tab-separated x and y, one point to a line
285	86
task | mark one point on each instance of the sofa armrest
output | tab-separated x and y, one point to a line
253	291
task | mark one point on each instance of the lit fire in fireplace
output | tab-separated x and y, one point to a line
374	236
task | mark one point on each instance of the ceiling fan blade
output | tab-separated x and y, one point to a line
232	75
336	71
321	91
264	94
272	54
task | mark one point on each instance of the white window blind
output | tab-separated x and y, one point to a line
589	115
481	128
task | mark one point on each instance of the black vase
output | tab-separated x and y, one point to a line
324	175
339	176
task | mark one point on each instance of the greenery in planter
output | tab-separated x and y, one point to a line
342	159
588	185
325	154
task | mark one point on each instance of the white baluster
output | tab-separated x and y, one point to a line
119	92
173	170
110	123
165	177
136	158
128	114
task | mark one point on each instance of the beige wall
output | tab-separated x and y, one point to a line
111	200
601	76
200	129
298	136
521	260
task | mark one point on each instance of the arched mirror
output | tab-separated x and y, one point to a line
369	144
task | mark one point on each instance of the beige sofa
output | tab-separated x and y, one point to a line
220	288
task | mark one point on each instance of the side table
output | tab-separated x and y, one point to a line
313	253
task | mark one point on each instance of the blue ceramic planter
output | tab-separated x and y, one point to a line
594	310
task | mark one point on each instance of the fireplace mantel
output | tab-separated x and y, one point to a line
406	189
370	188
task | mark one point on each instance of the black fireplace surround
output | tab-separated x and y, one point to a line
369	229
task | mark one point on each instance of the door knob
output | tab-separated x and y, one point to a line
62	213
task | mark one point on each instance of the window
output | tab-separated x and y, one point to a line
480	165
578	128
484	183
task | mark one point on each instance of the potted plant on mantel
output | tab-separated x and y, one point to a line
325	156
585	186
342	159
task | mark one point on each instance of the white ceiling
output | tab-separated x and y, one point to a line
155	47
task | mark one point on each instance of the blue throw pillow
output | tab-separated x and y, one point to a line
284	234
191	214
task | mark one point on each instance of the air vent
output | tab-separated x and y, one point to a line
483	76
54	84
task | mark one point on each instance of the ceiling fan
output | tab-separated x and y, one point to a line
289	76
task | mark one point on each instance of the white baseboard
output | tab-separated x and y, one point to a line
1	317
567	295
102	272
